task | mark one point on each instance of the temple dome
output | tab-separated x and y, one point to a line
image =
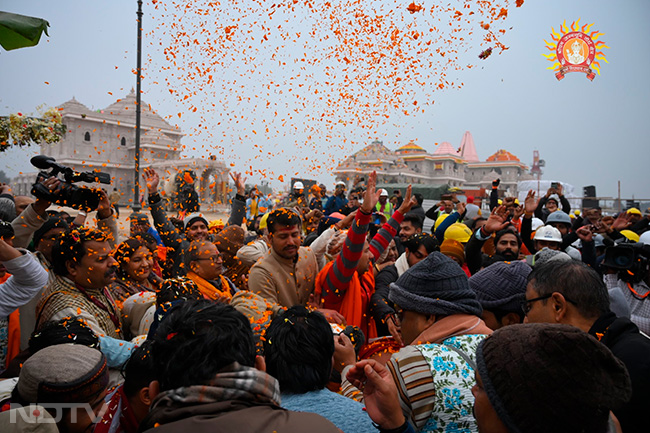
445	148
411	147
502	155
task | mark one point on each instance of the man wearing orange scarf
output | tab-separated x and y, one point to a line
347	283
204	264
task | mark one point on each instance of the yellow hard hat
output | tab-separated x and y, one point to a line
263	220
440	219
458	232
634	211
630	235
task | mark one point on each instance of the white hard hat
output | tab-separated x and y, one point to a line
340	183
298	185
548	233
645	238
536	223
383	193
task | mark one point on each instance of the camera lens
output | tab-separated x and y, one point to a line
623	261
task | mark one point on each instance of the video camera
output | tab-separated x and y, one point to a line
77	197
631	260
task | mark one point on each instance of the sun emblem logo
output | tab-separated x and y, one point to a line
575	50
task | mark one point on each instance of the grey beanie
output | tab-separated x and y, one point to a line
502	285
436	285
546	255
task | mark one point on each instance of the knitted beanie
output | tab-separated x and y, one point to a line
436	285
546	254
192	218
63	373
502	286
544	378
453	248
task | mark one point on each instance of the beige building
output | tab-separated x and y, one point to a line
104	140
445	166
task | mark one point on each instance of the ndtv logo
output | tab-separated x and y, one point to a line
52	413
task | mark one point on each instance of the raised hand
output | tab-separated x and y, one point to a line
518	211
104	208
585	234
460	207
344	354
530	203
409	201
240	183
622	222
152	180
371	195
498	220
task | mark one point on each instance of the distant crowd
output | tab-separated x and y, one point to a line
324	311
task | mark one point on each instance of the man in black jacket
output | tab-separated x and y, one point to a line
571	293
506	241
417	248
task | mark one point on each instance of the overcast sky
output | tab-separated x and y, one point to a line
587	132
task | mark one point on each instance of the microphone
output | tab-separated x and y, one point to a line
44	162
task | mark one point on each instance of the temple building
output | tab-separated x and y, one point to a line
445	166
104	140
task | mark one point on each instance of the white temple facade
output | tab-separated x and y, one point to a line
104	140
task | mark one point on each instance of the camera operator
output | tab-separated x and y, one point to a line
34	224
632	280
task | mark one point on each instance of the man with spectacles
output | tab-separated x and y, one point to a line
204	265
416	249
572	293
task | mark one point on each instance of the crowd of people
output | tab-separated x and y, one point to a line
325	312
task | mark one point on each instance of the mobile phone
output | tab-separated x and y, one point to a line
554	184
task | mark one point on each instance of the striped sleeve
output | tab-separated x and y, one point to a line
414	381
341	272
347	389
385	234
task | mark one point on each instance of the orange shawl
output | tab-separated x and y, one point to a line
354	305
208	290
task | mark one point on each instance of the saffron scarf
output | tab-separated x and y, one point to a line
353	305
208	289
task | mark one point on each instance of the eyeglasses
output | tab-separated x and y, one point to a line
214	259
526	304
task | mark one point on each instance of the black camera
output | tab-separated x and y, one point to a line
77	197
629	259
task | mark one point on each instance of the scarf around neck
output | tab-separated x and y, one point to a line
234	382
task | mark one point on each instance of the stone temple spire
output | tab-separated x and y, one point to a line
467	148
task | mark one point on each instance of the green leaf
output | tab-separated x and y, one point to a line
18	31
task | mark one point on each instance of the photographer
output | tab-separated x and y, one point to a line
633	279
551	201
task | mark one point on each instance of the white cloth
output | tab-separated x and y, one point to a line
27	278
639	308
249	254
401	264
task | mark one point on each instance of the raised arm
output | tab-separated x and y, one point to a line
388	231
168	233
238	204
345	265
